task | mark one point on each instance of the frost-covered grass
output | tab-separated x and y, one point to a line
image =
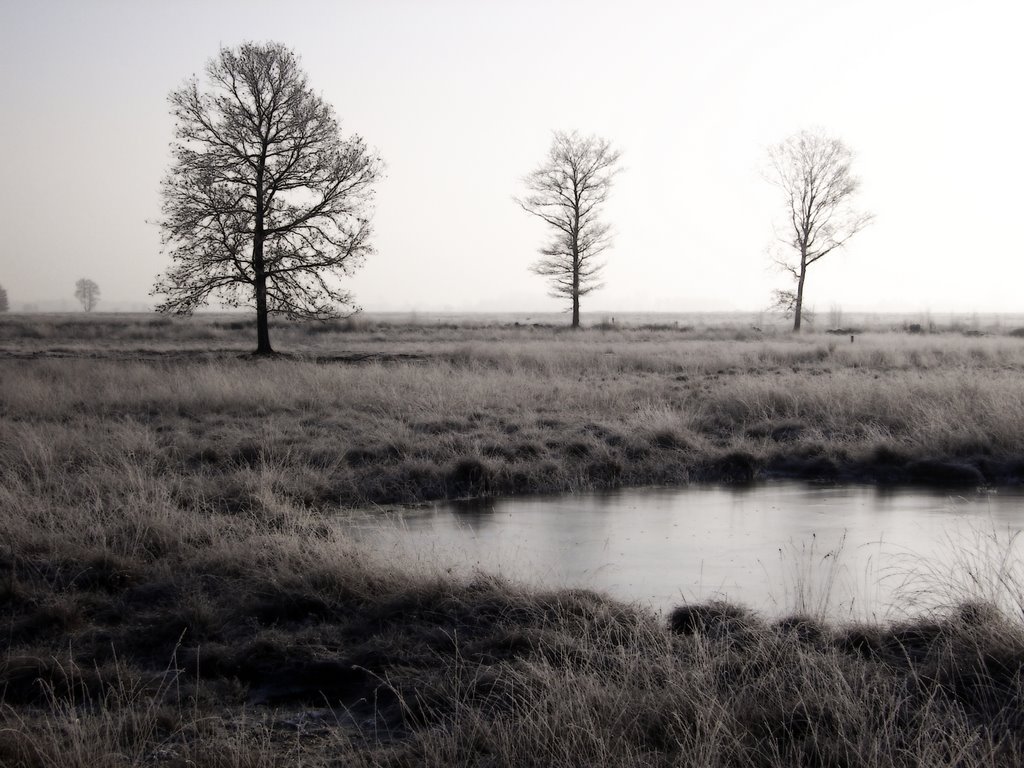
397	415
175	589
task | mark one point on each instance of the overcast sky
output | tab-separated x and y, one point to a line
460	99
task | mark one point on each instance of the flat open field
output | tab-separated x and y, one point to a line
392	414
174	589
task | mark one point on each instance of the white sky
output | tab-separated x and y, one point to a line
460	99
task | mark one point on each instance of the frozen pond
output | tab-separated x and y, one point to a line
847	552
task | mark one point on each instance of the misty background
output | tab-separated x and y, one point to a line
460	99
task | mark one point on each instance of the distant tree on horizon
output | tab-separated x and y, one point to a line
813	172
265	204
88	293
4	305
567	192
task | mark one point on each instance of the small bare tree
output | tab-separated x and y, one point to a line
813	172
835	317
265	205
88	293
4	305
567	193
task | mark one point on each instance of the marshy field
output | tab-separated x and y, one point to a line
177	587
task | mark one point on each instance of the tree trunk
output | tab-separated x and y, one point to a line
262	325
798	310
576	296
576	266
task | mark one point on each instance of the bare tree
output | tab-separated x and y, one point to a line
835	317
813	172
4	305
87	292
265	204
567	192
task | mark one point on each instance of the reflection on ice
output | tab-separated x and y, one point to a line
845	552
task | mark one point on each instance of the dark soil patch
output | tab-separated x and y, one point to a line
360	456
944	474
779	433
576	450
714	618
668	440
804	468
734	467
469	477
607	473
439	427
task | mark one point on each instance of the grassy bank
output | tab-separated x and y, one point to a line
409	414
174	589
144	626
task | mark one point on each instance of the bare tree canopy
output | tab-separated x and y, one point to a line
4	306
265	204
813	172
567	193
88	293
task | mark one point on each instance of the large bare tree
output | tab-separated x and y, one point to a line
88	293
567	192
813	172
265	204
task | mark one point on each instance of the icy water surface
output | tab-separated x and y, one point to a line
846	552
